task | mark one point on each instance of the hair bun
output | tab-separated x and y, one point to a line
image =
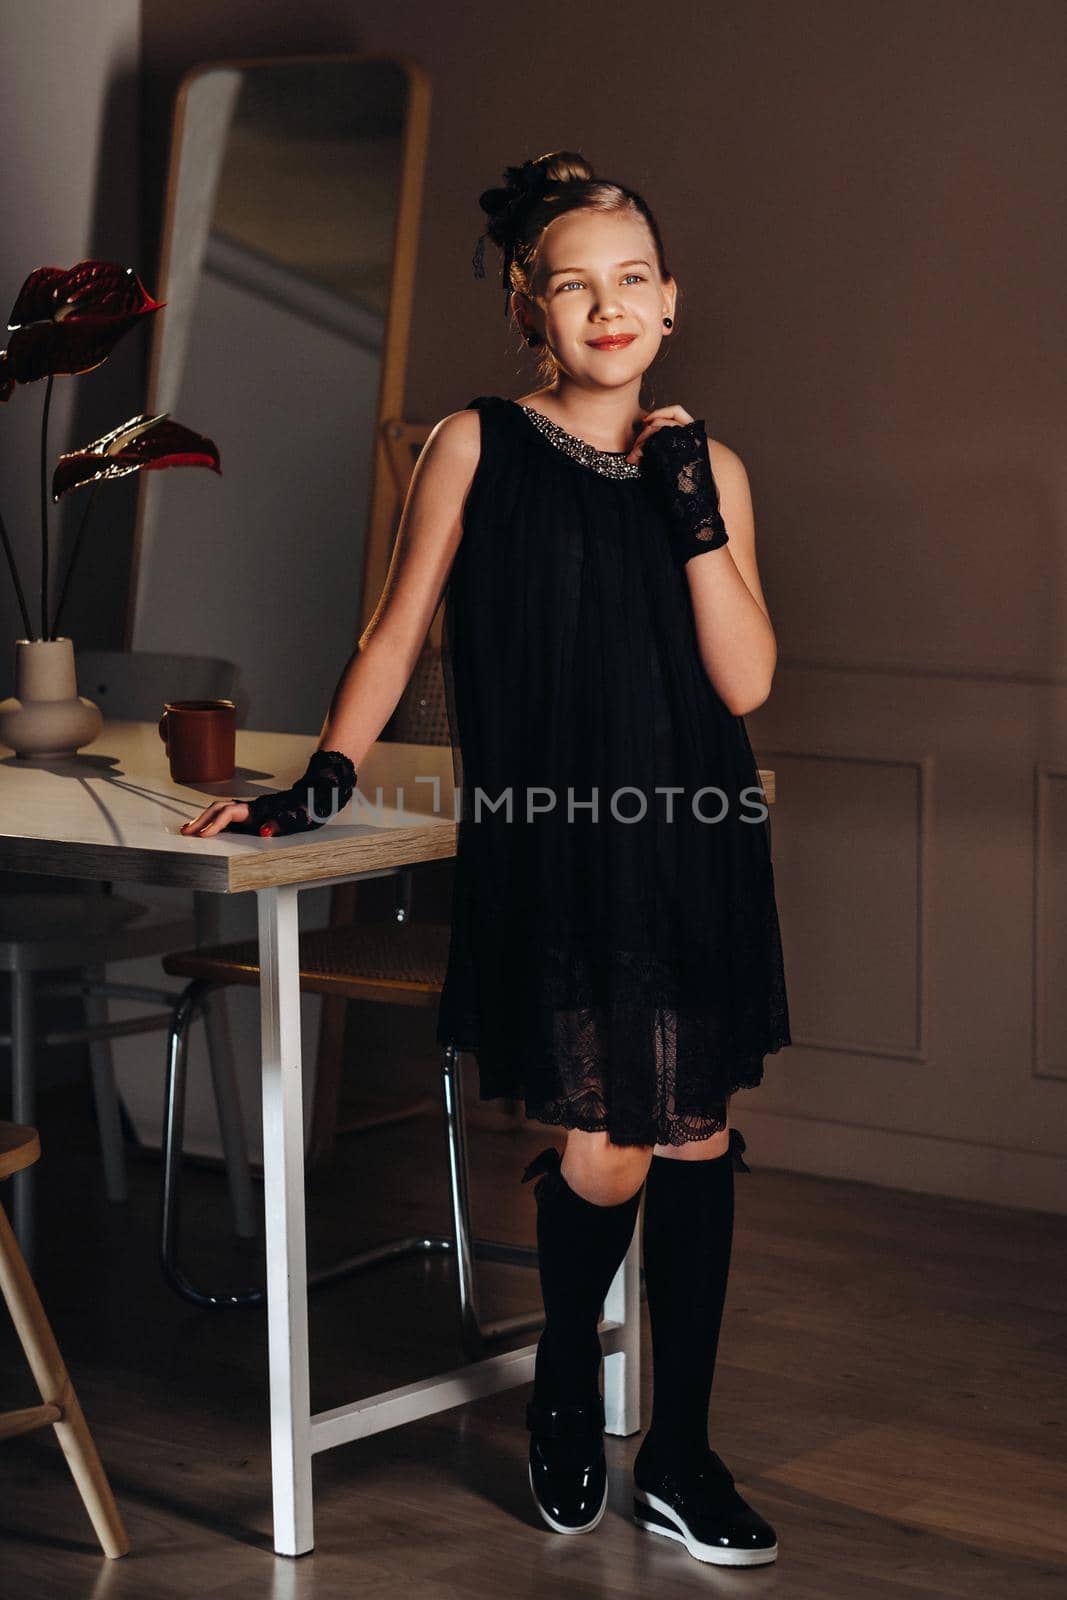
524	186
495	201
528	181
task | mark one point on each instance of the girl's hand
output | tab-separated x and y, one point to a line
218	815
325	789
652	421
677	463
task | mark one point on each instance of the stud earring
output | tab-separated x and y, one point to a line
533	338
668	322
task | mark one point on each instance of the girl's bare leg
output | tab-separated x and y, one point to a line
602	1172
607	1173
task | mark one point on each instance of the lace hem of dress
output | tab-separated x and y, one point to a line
631	1043
587	1111
630	1119
681	1132
550	1159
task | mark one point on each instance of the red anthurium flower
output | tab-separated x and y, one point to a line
70	321
150	442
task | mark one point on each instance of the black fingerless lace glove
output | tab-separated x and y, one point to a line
325	788
677	459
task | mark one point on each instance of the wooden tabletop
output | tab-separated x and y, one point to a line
112	811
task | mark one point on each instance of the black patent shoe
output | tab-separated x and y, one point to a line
568	1471
702	1509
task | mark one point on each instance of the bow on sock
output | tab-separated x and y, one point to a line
543	1162
737	1145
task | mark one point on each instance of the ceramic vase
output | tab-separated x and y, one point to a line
47	716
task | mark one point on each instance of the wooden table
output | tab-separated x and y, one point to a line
111	812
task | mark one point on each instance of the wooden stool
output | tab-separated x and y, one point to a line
20	1147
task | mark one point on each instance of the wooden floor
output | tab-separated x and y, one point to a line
890	1395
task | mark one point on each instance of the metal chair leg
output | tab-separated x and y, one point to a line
23	1107
474	1335
228	1110
105	1094
182	1013
470	1326
207	914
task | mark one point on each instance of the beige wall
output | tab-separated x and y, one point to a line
864	205
69	182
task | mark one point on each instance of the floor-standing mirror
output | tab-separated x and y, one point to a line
287	262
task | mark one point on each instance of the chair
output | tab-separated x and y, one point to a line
402	962
420	718
392	963
20	1147
53	925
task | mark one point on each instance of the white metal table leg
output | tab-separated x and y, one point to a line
622	1366
283	1181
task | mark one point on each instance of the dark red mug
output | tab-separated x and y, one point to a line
201	739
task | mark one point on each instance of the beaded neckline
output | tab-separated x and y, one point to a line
609	463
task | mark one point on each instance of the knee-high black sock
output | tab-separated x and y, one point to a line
580	1248
687	1238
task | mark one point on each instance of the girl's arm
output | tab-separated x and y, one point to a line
431	526
428	537
737	643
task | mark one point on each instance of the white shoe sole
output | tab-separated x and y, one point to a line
715	1554
561	1527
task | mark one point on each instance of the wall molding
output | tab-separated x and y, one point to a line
894	1158
1046	773
923	765
920	669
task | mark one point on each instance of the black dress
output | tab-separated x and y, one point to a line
620	967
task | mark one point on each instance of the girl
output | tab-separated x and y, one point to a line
615	952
